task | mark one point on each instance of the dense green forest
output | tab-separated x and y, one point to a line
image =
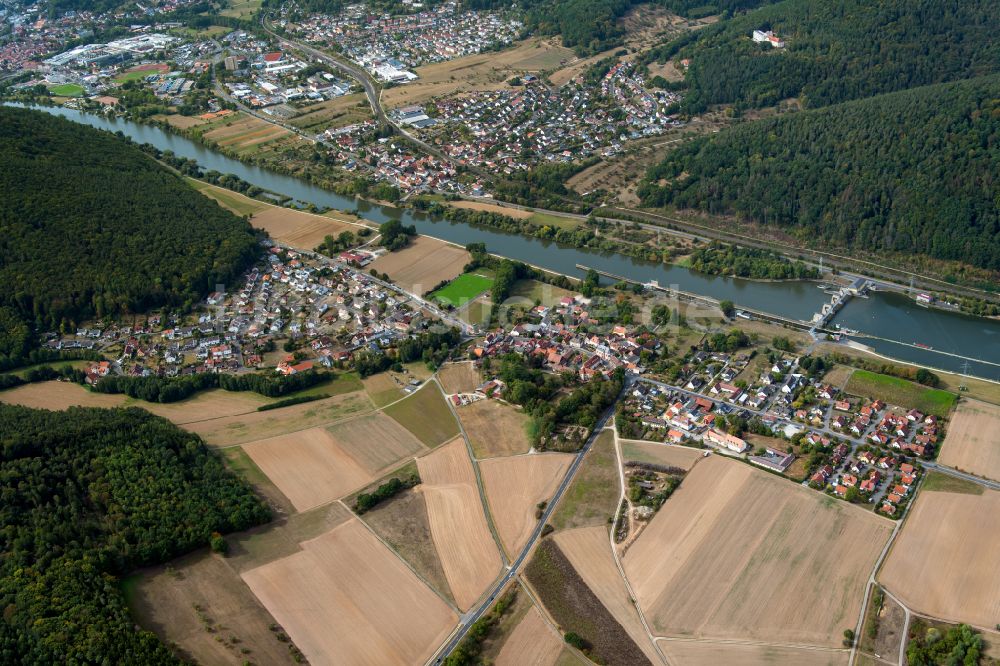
591	26
91	226
908	172
90	494
837	51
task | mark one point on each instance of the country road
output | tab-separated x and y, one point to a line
515	567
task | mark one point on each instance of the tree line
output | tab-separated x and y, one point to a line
89	495
172	389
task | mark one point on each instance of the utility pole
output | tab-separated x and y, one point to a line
965	374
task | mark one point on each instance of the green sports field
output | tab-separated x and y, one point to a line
66	90
462	289
133	76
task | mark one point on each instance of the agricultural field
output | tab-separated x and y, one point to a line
188	601
972	442
241	8
281	538
532	643
310	467
233	201
240	463
298	229
205	405
246	135
589	551
895	391
515	486
403	523
708	653
58	396
230	430
485	71
516	213
592	498
459	377
346	599
661	454
495	428
462	289
426	415
577	609
943	563
375	441
426	263
787	564
337	112
458	526
382	389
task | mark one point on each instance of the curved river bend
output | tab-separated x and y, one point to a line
885	315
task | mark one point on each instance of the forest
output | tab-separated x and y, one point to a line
91	226
913	172
89	495
837	51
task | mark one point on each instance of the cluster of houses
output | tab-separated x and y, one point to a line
389	45
356	148
329	312
511	129
563	345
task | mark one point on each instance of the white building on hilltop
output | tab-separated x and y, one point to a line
761	36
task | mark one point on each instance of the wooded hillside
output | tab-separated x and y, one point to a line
837	51
909	172
89	494
90	225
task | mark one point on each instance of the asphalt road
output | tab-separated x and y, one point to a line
470	618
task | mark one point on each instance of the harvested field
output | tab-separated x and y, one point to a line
575	607
458	522
589	551
210	404
972	443
495	428
787	564
375	441
949	544
485	71
281	538
839	376
163	599
244	132
661	454
459	377
299	230
244	428
516	213
239	462
309	467
575	67
514	486
592	497
423	265
532	643
402	522
346	599
707	653
426	415
183	122
57	396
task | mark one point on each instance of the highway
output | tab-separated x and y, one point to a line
515	567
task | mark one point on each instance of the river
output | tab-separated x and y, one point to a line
885	315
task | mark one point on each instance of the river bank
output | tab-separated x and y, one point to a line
880	315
